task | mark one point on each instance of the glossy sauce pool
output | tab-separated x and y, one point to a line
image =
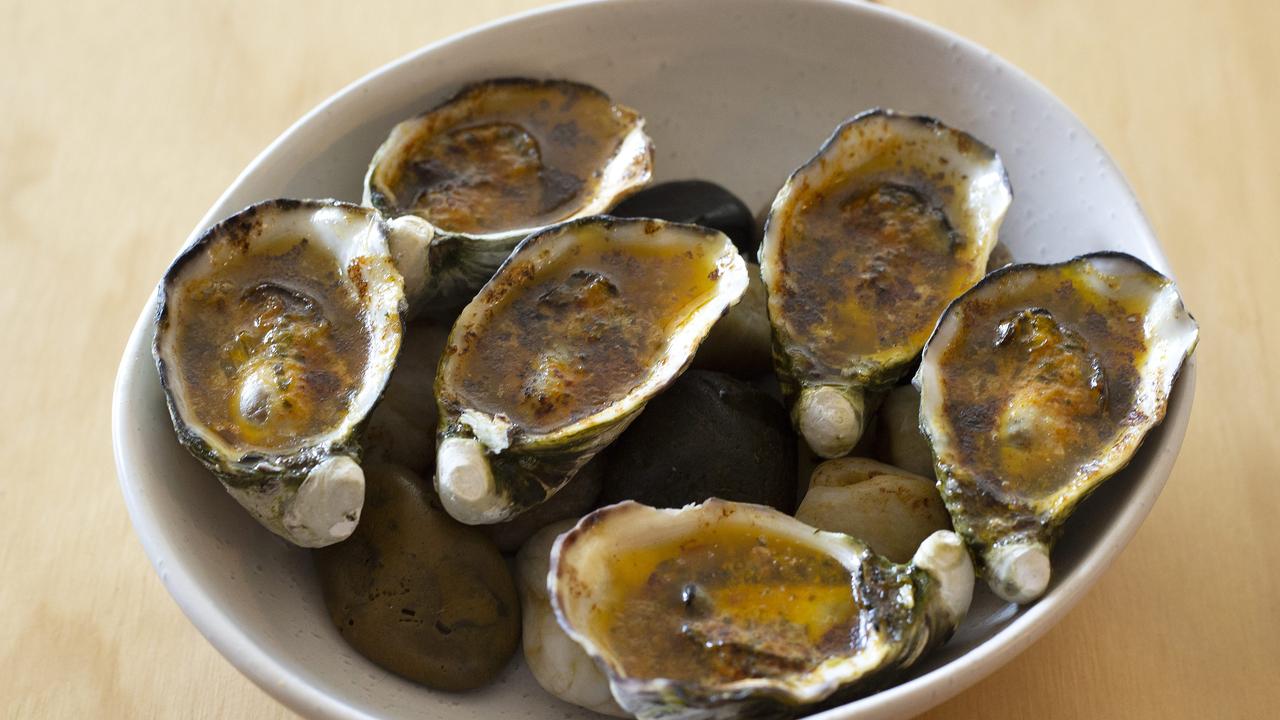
869	265
728	604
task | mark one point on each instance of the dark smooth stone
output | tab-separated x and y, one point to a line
417	592
699	202
708	435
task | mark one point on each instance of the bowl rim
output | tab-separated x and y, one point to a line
911	696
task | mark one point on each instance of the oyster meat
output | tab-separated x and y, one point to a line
1038	384
562	349
276	331
728	609
863	248
502	158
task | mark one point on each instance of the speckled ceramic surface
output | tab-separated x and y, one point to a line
735	91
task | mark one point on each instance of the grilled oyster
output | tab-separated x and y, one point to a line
470	178
275	334
1038	384
863	248
562	349
726	609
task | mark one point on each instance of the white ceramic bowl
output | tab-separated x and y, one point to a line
736	91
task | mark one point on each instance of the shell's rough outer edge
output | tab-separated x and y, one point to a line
985	194
1011	540
916	607
267	483
444	268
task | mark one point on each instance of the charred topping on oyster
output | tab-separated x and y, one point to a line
579	333
270	347
876	259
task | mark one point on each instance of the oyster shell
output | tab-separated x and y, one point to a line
863	247
276	331
727	609
1038	384
468	179
563	347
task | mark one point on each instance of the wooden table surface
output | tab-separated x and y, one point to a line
121	123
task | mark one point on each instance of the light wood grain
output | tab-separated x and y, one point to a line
120	125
